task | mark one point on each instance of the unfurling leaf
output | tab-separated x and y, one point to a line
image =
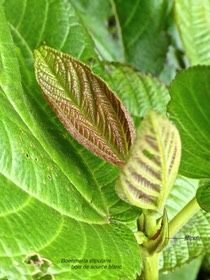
89	110
152	166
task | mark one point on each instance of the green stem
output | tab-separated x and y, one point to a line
150	265
183	217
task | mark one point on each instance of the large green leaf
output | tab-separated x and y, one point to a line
189	110
54	193
149	174
181	249
192	18
30	226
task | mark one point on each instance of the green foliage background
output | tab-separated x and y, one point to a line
56	198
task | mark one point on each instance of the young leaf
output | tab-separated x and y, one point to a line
85	105
151	169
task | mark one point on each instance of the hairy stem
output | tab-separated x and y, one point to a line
183	217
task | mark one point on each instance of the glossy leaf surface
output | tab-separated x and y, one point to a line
189	110
85	105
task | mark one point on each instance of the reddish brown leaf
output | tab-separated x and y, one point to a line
85	105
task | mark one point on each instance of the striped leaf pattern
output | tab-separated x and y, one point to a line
85	105
147	178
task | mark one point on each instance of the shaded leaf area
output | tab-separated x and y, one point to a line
176	58
140	92
203	197
127	31
206	263
106	36
181	249
189	110
33	226
149	174
143	27
192	19
85	105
